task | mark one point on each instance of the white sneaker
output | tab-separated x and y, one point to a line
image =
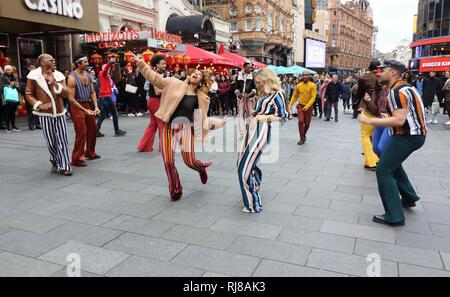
247	210
435	121
131	115
139	114
429	121
448	123
110	117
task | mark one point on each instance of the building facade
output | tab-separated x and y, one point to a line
431	44
28	30
350	36
262	28
298	29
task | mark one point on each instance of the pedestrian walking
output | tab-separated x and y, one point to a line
105	100
245	93
10	90
332	93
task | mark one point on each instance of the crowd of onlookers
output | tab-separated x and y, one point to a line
433	89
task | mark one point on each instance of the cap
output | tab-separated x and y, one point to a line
394	65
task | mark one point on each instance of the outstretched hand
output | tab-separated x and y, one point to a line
225	120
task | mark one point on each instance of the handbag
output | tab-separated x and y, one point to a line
10	95
131	89
435	107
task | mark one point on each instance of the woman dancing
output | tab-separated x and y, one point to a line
269	108
184	108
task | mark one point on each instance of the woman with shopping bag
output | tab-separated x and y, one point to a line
9	88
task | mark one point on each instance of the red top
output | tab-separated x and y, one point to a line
105	82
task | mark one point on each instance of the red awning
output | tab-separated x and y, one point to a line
430	41
238	59
207	59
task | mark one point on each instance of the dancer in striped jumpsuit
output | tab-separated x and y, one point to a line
270	108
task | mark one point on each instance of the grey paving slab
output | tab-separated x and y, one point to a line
32	222
424	241
28	244
85	215
359	231
139	225
318	240
217	261
136	266
304	200
269	268
145	210
200	236
348	264
327	214
13	265
84	233
292	221
84	190
407	270
145	246
92	259
446	260
259	230
440	229
398	253
187	218
270	249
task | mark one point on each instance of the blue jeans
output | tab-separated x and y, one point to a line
107	106
380	140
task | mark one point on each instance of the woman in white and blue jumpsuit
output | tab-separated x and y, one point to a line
269	108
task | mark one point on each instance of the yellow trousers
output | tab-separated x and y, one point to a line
370	158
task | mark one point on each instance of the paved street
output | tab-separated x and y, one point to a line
318	204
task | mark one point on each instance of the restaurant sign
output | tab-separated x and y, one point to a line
436	64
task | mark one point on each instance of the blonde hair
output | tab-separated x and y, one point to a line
270	79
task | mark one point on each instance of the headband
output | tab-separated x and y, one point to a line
80	59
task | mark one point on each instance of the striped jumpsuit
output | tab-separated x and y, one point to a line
257	138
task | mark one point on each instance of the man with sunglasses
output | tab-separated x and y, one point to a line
305	93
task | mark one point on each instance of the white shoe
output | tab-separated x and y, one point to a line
448	123
435	121
429	121
111	118
139	114
247	210
131	115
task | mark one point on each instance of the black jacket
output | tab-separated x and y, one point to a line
334	90
431	87
249	83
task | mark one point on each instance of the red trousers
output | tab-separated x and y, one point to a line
304	121
85	134
146	143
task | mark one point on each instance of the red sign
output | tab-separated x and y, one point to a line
112	36
120	36
436	64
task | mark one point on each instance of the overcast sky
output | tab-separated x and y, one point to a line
394	19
